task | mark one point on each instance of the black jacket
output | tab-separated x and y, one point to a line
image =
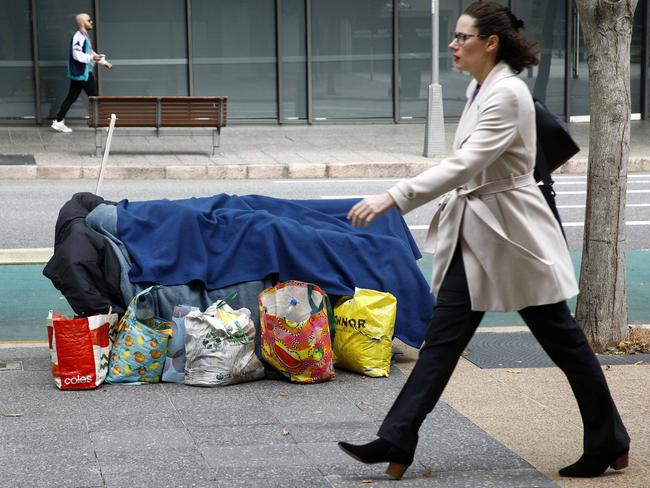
84	266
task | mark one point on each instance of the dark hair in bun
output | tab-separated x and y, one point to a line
491	18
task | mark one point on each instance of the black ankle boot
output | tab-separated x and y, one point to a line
381	451
592	466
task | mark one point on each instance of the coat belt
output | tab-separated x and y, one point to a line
457	199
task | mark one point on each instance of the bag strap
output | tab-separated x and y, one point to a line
226	301
314	307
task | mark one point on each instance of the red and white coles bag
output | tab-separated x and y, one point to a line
79	349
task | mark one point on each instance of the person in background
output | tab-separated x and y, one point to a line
81	63
497	248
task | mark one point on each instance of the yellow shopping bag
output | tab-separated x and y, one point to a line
364	332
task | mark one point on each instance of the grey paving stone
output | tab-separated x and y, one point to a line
36	402
511	478
38	364
22	435
462	446
70	468
264	472
152	460
24	352
184	395
330	459
270	455
323	410
216	412
143	439
296	481
19	379
118	407
195	478
333	432
240	435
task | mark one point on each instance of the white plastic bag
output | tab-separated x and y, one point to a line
220	347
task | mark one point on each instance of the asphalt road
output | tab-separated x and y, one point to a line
29	208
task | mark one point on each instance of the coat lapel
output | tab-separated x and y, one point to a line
469	119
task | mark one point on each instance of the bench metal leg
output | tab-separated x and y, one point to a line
216	140
98	142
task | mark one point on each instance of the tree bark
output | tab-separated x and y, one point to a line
602	303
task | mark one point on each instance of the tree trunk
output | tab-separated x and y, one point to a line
602	303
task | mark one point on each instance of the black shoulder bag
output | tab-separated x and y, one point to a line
555	146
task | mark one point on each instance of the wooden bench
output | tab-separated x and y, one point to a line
158	112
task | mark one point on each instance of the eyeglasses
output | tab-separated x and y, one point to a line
460	38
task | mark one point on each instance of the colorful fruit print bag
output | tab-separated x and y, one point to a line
295	331
140	347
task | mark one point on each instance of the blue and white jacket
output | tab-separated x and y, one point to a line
80	61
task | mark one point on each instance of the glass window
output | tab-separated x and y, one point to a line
294	60
16	65
545	24
415	57
234	54
147	43
56	26
636	52
352	60
454	83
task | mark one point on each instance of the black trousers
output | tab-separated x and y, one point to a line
89	86
452	326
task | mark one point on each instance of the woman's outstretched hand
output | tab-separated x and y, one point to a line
364	212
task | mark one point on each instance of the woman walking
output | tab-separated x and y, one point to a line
497	248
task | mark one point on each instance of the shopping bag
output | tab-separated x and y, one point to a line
220	347
364	330
295	331
79	349
140	346
174	368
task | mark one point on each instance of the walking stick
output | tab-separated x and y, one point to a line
107	149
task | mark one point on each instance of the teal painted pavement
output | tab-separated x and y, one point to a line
26	296
637	267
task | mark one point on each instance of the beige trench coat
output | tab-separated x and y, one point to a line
514	253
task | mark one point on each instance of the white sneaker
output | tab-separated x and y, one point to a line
60	126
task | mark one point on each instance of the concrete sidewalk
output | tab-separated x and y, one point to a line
494	428
249	151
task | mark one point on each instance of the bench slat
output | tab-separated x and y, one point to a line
175	111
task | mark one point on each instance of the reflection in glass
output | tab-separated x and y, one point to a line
636	52
146	42
294	68
352	60
545	24
16	65
415	57
234	54
56	26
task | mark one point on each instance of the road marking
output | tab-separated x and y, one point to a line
584	192
584	206
570	192
558	180
342	197
582	224
564	224
336	180
575	177
635	182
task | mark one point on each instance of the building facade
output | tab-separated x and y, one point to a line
287	61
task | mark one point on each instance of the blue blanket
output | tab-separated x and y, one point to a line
225	240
